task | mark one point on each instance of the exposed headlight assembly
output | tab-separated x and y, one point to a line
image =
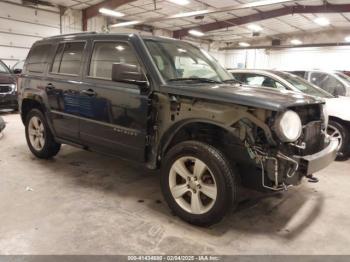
288	126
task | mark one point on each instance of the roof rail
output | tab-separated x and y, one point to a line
72	34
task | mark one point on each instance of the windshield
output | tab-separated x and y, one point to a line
178	61
303	86
4	68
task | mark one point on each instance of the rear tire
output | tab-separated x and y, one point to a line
198	183
39	137
339	131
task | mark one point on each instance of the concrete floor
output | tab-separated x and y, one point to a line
84	203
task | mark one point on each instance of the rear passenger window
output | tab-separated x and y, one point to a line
106	54
68	58
37	59
57	61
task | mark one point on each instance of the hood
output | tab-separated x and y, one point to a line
339	107
6	79
267	98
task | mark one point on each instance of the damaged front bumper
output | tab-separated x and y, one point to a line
316	162
279	171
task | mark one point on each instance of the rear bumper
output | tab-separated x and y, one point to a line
316	162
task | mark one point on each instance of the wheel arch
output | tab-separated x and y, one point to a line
341	121
194	129
35	101
29	103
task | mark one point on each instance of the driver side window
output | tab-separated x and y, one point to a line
105	54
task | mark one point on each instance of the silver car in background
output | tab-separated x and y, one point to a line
334	82
338	108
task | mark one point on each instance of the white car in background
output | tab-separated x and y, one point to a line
338	108
334	82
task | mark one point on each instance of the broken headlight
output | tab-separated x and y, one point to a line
288	126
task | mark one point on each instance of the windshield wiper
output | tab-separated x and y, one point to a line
200	79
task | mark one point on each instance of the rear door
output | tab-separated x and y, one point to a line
113	114
62	88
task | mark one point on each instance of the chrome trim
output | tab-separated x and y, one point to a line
12	86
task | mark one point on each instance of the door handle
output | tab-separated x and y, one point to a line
89	92
50	87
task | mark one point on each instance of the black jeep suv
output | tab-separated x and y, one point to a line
170	105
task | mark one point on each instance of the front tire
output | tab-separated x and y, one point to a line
39	137
198	183
339	131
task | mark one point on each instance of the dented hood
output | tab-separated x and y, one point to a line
267	98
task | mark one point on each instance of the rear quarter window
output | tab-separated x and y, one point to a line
68	58
38	58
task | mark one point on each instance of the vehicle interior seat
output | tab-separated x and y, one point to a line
268	82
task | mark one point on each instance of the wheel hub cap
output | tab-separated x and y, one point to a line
193	184
335	133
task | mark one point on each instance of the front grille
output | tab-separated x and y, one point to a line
5	89
313	137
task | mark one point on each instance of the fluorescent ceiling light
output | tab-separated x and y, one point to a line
110	12
119	48
199	12
255	28
296	42
196	33
243	44
322	21
180	2
347	39
126	23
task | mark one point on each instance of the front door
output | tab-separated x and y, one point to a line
62	88
113	114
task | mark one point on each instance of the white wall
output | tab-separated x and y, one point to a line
72	21
21	26
332	58
255	58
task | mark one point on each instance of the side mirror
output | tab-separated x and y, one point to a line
128	73
17	71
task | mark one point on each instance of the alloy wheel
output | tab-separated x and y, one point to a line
36	132
335	133
192	185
